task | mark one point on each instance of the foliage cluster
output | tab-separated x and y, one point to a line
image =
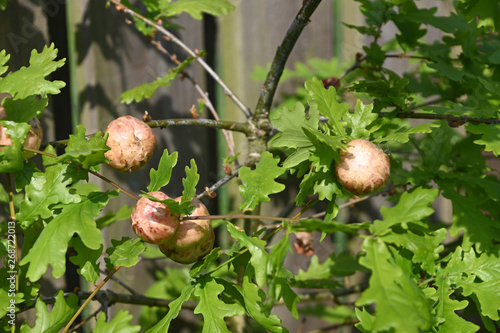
424	274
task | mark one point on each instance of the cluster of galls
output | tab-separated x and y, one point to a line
185	241
182	240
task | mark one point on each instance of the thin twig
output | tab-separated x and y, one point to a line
228	136
211	123
188	50
111	297
121	283
456	120
96	290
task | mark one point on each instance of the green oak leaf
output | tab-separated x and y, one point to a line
51	246
400	304
174	308
147	90
46	189
412	207
111	217
291	124
4	58
124	252
161	177
6	297
446	308
213	309
326	148
86	259
341	265
11	157
477	228
189	183
323	183
259	258
425	248
254	297
54	321
23	110
87	151
326	101
490	136
360	120
487	290
120	323
366	320
28	81
196	8
260	182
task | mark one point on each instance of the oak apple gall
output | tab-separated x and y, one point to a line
132	144
363	167
152	221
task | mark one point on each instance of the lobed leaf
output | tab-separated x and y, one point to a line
51	246
11	157
54	321
291	123
86	150
124	252
87	260
254	296
161	177
412	207
326	101
196	8
259	257
174	309
120	323
400	304
23	109
360	120
46	189
490	136
425	248
28	81
260	182
213	309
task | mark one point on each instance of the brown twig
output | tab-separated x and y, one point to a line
173	38
456	120
228	136
87	301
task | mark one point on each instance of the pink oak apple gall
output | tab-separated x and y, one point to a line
132	144
152	221
363	167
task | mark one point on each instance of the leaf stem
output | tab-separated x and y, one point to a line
97	288
173	38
